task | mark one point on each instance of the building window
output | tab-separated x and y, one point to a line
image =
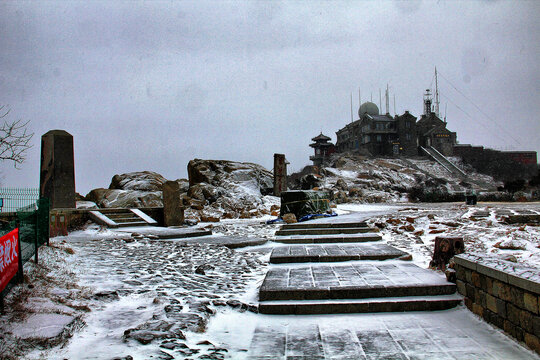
379	138
408	124
408	136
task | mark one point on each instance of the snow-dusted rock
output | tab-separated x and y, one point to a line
224	173
142	181
112	198
86	205
48	328
229	189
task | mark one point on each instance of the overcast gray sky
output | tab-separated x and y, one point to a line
151	85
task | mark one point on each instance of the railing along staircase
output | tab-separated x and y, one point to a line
444	162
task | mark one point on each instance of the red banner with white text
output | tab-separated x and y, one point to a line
9	257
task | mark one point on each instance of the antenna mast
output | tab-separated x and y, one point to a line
395	113
351	109
387	100
380	99
445	106
436	94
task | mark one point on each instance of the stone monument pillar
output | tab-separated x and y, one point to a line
173	211
57	176
280	174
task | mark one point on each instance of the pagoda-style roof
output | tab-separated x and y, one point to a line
321	145
321	137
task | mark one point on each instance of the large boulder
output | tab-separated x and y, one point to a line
141	180
114	198
228	174
230	189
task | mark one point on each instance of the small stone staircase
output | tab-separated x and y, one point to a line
332	276
115	218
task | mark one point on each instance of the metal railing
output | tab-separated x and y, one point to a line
15	199
33	224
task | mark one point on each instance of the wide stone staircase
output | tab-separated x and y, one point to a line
115	218
346	268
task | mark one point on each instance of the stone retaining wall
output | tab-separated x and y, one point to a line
505	294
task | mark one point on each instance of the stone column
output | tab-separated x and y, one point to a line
173	211
57	176
280	174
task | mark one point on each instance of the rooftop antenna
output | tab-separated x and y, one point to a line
380	99
395	113
427	102
436	94
387	100
445	106
351	109
359	98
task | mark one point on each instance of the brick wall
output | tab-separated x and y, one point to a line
505	294
503	165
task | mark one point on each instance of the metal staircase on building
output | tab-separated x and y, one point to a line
444	162
115	218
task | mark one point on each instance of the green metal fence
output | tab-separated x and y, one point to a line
33	228
13	199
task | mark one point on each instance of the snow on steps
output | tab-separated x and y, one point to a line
115	218
358	286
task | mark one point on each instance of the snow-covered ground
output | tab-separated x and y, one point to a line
162	299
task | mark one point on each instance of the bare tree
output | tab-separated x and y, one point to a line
14	138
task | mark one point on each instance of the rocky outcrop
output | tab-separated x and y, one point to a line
356	178
224	173
229	189
215	189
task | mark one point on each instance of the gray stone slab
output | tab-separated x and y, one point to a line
325	231
452	334
352	281
372	305
168	233
228	241
325	239
316	225
334	252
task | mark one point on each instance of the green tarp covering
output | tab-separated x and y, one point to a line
304	202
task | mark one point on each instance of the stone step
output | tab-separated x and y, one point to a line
352	281
334	253
325	231
119	219
372	305
132	223
327	239
115	218
318	225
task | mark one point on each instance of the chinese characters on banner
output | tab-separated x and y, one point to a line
9	257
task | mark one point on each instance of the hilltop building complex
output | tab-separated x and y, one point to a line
376	134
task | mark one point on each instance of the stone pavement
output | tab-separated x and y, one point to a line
450	334
334	252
